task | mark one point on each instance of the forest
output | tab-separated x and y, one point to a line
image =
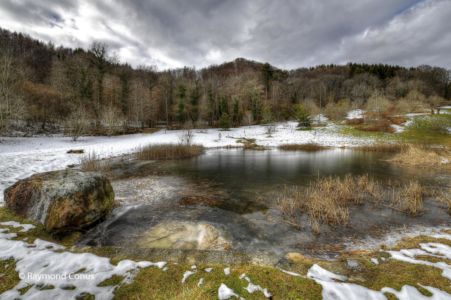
49	89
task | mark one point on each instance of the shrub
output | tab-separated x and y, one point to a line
378	103
224	121
169	151
302	116
339	110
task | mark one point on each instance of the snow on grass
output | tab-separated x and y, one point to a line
201	282
25	227
374	261
227	271
333	290
186	275
436	250
66	274
252	288
335	287
208	270
224	292
22	157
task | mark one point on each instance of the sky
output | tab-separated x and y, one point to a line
287	33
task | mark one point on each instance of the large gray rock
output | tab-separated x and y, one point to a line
63	201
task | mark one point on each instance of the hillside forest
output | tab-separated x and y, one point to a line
49	89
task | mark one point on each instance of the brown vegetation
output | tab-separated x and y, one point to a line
169	151
250	144
92	163
311	147
327	200
410	198
382	147
414	155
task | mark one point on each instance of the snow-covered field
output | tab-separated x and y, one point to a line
22	157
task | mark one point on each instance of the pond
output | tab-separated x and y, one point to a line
236	191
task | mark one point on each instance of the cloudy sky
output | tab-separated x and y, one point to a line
286	33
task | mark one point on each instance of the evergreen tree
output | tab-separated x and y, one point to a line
302	116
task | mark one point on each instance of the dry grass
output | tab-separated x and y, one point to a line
169	151
327	200
92	163
421	156
376	125
382	147
410	198
311	147
444	198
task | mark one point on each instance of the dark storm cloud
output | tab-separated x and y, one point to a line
289	34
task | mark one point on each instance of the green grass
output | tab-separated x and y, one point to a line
167	285
430	129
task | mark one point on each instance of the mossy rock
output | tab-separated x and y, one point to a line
63	201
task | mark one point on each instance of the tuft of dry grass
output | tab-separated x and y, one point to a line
382	147
92	163
410	198
169	151
327	200
444	198
311	147
421	156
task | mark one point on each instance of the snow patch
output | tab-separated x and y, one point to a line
224	292
25	227
355	114
333	290
43	263
186	275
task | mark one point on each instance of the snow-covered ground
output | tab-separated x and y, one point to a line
22	157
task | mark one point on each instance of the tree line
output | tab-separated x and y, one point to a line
46	88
